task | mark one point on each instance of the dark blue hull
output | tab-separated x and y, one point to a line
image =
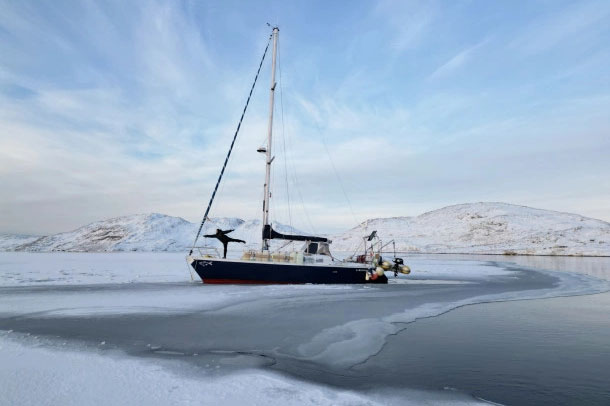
250	272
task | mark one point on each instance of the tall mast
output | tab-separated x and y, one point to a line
269	158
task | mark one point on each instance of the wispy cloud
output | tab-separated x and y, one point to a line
456	62
578	23
409	21
114	108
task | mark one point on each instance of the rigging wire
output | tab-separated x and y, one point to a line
332	163
363	225
279	57
207	211
289	161
296	183
295	180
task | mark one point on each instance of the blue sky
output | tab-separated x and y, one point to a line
112	108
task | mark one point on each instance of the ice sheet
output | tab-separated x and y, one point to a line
335	327
37	374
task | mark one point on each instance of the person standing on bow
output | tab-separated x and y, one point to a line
224	239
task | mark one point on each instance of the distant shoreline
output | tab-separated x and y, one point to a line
503	255
383	252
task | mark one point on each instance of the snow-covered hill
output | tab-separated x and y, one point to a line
488	228
474	228
8	242
143	232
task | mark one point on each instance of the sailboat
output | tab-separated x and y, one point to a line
312	264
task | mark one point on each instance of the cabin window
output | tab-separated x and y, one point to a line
312	248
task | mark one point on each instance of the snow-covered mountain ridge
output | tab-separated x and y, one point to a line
473	228
488	228
140	232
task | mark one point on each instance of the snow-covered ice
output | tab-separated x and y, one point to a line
40	374
131	328
21	268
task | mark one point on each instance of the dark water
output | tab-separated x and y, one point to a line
551	352
533	352
530	352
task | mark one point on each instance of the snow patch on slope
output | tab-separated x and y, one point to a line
8	242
